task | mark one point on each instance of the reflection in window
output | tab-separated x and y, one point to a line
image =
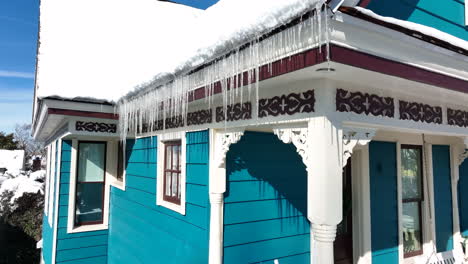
412	194
90	183
172	172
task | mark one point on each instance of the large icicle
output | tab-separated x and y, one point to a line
168	95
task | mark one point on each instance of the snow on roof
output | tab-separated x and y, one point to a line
12	160
102	49
107	51
429	31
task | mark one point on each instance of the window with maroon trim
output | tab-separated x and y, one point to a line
172	172
412	199
90	183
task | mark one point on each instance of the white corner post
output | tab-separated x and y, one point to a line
219	146
324	148
459	154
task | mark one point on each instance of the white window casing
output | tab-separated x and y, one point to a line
112	165
47	181
466	12
51	184
72	191
160	171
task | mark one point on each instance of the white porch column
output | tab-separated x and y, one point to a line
459	154
324	148
219	146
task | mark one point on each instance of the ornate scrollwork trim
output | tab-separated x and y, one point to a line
95	127
299	138
420	112
222	145
353	137
463	156
287	104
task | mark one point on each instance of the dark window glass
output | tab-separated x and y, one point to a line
120	162
172	172
90	183
412	194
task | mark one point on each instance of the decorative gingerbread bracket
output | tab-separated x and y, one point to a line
353	137
298	137
223	141
464	154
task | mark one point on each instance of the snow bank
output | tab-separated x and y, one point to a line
142	43
429	31
12	160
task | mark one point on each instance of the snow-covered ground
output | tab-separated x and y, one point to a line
21	183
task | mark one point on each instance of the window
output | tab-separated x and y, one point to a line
90	183
170	180
412	199
172	172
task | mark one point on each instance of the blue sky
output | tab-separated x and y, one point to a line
18	39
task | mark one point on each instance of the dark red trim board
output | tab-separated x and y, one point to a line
56	111
364	3
398	69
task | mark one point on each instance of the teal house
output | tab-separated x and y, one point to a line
254	131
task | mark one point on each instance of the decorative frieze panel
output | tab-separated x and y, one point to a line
457	117
420	112
200	117
290	104
97	127
157	125
174	122
234	112
359	103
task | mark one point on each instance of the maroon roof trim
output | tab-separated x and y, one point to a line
398	69
364	3
287	65
57	111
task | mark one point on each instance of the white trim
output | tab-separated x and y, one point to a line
457	238
57	196
160	171
47	180
362	250
400	205
466	12
52	186
72	193
112	165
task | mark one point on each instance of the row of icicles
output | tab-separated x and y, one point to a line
172	99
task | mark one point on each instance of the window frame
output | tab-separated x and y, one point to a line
161	140
110	164
420	200
171	144
86	223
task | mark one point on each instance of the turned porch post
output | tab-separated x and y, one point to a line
324	148
219	146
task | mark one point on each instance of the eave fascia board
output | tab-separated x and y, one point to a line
363	36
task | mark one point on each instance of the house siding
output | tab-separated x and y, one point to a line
447	16
162	235
76	248
201	4
442	198
48	229
463	198
383	202
265	211
47	240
